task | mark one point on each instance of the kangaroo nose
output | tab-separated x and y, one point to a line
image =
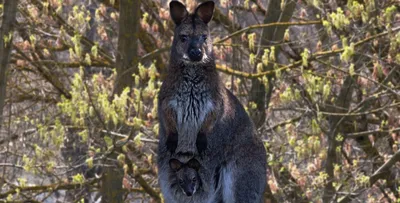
188	193
195	54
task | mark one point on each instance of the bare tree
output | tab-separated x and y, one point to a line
331	85
128	44
6	43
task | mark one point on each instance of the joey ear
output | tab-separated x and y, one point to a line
177	11
205	11
175	164
193	163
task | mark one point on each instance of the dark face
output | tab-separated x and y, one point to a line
192	41
188	180
187	175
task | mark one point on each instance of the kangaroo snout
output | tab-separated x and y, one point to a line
189	193
195	54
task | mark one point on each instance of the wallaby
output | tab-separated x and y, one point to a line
199	118
185	175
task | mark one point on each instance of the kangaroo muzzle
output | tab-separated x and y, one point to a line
195	53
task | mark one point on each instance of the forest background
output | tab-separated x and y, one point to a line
79	81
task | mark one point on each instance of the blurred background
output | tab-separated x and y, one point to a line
79	81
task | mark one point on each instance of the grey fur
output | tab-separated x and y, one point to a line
192	104
201	119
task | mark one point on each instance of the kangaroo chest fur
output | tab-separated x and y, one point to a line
192	102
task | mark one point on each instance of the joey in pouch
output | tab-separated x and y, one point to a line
186	175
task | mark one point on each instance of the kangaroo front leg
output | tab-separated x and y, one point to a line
167	118
206	128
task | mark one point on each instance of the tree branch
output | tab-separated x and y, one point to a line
49	188
252	27
385	167
364	133
313	57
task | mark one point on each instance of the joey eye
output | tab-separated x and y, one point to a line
180	181
183	38
194	179
204	37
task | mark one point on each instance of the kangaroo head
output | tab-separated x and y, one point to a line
192	41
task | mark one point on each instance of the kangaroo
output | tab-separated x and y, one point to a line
186	175
189	96
201	119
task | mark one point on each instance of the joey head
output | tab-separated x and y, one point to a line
186	175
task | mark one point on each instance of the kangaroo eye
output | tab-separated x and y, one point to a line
180	181
184	38
204	37
194	179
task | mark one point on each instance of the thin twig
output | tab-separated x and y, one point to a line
378	173
252	27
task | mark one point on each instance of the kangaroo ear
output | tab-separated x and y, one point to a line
193	163
177	11
205	11
175	164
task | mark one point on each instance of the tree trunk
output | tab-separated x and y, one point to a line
10	10
336	126
128	35
270	36
126	65
111	187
